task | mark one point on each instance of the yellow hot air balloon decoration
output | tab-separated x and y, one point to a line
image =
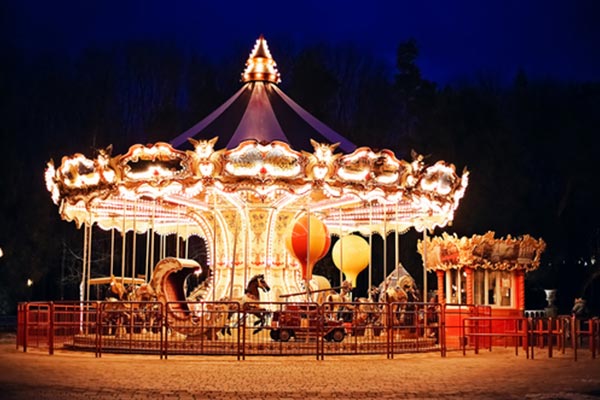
351	255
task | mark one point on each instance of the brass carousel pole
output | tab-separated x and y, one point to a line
161	246
307	254
341	260
370	244
396	250
123	242
177	232
133	244
147	260
85	284
152	238
89	261
214	257
232	278
246	244
341	250
384	247
424	263
112	251
187	242
82	285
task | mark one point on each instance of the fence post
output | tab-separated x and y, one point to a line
533	327
19	325
574	336
99	327
25	326
51	328
550	336
320	330
389	332
526	337
463	342
442	329
166	331
161	329
243	326
591	339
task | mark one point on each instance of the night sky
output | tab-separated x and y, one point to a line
457	39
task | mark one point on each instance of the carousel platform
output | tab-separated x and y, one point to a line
261	344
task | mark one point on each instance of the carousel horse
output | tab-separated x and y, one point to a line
319	288
580	310
581	318
398	298
252	294
144	307
131	304
411	311
115	313
116	289
367	312
247	304
337	305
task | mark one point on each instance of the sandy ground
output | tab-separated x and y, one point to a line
489	375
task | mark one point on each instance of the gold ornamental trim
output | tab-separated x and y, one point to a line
448	252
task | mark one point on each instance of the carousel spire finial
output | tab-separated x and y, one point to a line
260	65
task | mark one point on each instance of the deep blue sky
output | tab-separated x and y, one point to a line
457	39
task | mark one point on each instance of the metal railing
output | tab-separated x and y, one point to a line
282	328
532	333
513	330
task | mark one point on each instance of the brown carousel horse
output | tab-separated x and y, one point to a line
134	304
144	307
337	305
116	289
114	312
367	312
399	298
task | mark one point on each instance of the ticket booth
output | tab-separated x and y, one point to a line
480	274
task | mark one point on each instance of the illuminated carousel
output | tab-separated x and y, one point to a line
246	180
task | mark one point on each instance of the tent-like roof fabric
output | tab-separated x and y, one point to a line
261	111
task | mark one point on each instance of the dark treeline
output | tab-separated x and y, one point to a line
530	146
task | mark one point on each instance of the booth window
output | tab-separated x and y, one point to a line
456	286
493	288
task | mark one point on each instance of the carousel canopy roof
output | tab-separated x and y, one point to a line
259	181
261	111
481	252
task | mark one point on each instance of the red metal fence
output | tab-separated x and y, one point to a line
282	328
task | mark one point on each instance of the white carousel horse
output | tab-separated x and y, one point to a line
248	306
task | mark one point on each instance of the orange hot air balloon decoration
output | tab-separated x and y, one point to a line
351	255
308	241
